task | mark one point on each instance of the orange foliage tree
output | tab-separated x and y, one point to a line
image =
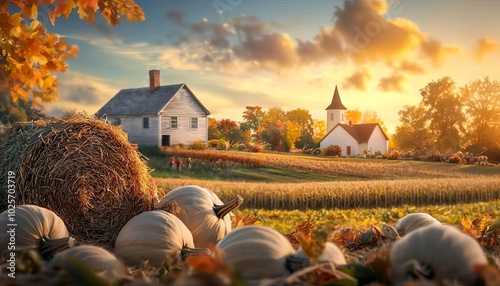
29	55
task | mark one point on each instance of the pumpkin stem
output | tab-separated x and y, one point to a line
49	247
416	270
223	210
187	252
294	263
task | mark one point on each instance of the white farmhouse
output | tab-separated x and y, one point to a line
353	138
158	115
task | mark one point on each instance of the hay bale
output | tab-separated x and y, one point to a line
83	169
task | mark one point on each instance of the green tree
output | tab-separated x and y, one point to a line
443	108
482	108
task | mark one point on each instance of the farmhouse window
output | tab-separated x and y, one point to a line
331	116
194	122
173	122
145	122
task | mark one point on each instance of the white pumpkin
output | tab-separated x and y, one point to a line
441	253
36	228
331	253
99	260
413	221
152	236
204	214
257	252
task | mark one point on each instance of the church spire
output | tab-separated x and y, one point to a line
336	103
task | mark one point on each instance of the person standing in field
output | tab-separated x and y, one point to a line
189	163
179	164
172	164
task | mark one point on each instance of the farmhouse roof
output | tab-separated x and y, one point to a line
140	101
336	103
360	132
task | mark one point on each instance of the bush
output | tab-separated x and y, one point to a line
255	148
242	147
213	143
333	150
198	145
317	151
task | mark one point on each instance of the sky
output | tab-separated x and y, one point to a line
283	53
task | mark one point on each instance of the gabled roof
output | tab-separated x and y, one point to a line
360	132
138	101
336	103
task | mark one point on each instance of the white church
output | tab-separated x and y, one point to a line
353	138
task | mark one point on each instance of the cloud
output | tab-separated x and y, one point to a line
84	94
485	46
275	51
369	37
410	67
436	51
176	17
395	82
358	80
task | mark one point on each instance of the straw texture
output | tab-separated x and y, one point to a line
83	169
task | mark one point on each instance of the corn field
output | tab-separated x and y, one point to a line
349	194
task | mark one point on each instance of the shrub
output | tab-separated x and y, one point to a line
222	144
198	145
333	150
213	143
242	147
257	149
378	153
317	151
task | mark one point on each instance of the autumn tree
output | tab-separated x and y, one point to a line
443	108
319	130
272	125
252	117
482	108
412	134
354	116
20	110
30	56
301	122
213	131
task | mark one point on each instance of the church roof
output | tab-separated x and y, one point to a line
336	103
360	132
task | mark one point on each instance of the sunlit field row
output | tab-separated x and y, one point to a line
349	194
331	220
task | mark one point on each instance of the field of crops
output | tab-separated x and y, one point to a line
350	194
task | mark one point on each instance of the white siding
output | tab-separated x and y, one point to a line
377	141
184	107
340	137
137	134
334	117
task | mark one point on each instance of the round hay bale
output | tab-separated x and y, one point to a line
83	169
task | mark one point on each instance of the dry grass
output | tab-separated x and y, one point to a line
83	169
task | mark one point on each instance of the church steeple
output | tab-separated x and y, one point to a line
336	102
335	111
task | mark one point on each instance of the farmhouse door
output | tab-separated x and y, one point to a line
165	140
348	150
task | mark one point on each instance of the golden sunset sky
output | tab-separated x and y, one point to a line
289	54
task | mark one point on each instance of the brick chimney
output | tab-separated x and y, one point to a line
154	80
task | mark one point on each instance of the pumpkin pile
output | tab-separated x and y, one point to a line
82	168
157	248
